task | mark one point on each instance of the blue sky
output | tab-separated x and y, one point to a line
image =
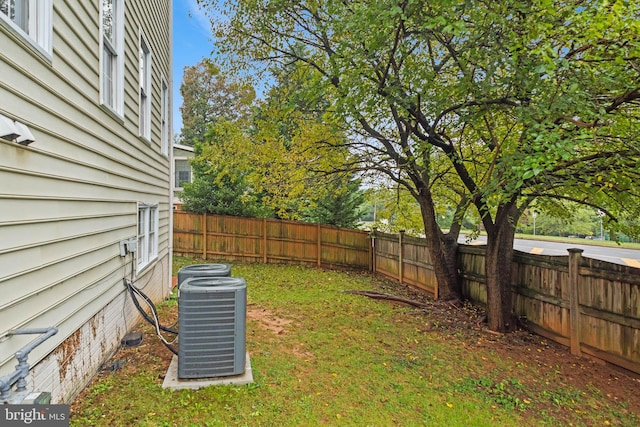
191	42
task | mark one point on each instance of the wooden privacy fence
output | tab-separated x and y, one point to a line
269	240
405	259
591	306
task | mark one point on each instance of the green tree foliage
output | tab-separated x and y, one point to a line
273	163
208	96
392	208
221	184
297	153
339	204
222	197
567	219
501	102
215	111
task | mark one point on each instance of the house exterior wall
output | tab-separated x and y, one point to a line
70	197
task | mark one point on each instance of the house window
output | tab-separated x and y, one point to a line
112	85
182	172
30	18
145	88
147	235
164	117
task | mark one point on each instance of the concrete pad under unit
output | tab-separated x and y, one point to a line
171	380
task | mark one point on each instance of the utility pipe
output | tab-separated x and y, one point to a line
22	368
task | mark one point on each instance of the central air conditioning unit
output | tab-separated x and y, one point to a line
203	270
212	313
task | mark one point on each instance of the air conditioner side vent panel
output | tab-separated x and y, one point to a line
212	313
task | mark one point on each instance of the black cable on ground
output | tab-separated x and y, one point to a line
153	308
129	287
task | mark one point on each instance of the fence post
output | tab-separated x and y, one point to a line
264	240
319	245
400	255
575	256
372	250
204	235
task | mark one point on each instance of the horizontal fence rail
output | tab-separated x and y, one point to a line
591	306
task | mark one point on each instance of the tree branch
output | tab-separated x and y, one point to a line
388	297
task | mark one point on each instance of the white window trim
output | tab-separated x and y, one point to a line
144	88
118	50
147	250
164	118
40	31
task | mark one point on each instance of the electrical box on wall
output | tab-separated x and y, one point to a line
123	248
128	246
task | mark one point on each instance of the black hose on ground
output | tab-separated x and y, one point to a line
144	314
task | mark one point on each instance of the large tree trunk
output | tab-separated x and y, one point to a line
499	268
443	249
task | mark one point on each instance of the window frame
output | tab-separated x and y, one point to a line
144	87
147	235
39	31
112	96
175	173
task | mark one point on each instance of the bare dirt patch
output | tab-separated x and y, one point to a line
268	320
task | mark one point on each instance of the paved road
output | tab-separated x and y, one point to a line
624	256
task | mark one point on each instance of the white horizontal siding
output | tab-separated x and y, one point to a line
71	292
70	132
54	239
180	153
69	198
31	184
76	52
57	169
24	209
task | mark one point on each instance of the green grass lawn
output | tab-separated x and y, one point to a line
324	357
